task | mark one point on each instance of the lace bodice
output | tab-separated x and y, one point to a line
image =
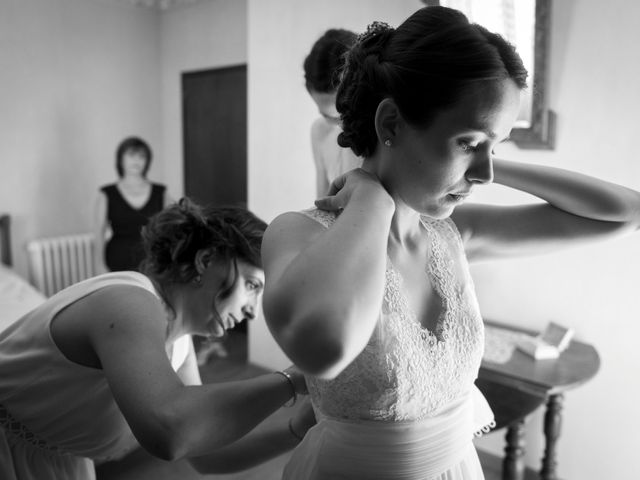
407	372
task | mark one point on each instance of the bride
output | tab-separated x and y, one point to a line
370	294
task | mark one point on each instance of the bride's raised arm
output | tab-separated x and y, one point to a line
576	208
324	288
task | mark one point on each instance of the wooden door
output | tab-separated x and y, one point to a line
214	104
215	135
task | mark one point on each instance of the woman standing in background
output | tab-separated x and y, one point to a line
322	68
124	207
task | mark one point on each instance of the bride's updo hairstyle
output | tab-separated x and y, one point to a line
173	236
424	65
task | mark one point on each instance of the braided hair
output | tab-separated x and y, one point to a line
424	65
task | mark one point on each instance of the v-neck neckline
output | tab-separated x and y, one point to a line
124	199
439	324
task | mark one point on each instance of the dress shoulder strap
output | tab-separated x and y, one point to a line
446	228
108	189
156	199
323	217
158	188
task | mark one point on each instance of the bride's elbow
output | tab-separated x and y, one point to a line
315	336
625	211
629	226
322	358
636	218
315	348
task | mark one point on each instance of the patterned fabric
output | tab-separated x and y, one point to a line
406	372
18	430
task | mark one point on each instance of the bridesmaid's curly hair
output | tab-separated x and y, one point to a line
424	65
173	236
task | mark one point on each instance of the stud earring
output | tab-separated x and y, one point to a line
197	280
387	142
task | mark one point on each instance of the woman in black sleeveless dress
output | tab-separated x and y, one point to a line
124	208
124	250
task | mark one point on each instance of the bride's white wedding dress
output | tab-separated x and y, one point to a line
406	408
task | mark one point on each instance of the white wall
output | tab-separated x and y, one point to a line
281	171
594	289
208	34
80	75
77	77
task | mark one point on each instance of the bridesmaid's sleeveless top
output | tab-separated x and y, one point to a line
52	408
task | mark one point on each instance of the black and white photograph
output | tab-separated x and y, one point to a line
319	240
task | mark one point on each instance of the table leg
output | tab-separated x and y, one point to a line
552	423
513	463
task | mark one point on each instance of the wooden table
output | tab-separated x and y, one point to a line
518	386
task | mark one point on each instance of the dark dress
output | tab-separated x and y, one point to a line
124	249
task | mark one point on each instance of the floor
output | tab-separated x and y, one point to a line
142	466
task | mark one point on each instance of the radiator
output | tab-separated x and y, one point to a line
57	262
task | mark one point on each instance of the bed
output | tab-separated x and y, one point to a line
17	296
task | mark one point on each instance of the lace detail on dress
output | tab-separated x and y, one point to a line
407	372
17	429
323	217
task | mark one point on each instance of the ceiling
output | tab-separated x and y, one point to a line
159	4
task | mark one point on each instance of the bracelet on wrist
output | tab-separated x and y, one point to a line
294	397
293	432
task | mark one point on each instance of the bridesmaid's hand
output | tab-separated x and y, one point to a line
303	419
